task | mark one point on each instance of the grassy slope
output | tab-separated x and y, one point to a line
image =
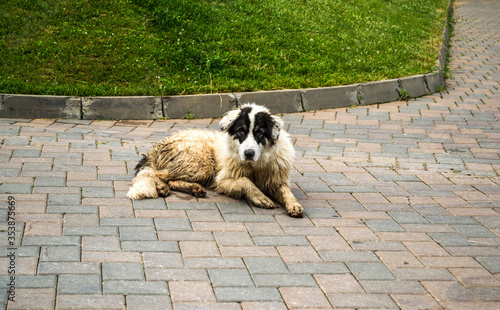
158	47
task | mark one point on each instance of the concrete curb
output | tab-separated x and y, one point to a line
215	105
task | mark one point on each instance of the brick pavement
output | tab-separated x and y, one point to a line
402	203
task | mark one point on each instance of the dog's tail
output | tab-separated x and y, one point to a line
143	185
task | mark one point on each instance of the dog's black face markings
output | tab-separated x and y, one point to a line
263	127
239	129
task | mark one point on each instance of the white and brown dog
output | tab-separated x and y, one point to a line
251	158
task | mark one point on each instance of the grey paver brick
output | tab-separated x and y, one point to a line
150	246
52	240
134	287
191	206
265	265
383	301
230	277
72	209
60	253
471	231
126	222
317	268
370	271
50	181
79	284
280	280
173	224
383	225
97	192
492	263
280	240
238	294
408	218
150	204
64	200
68	268
37	281
214	262
122	271
137	234
450	239
15	188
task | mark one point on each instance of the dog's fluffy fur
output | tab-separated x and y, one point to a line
251	157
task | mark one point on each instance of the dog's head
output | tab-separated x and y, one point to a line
253	129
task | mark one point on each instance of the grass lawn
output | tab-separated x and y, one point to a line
166	47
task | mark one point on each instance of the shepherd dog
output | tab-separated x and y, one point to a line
250	157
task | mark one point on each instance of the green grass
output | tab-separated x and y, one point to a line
165	47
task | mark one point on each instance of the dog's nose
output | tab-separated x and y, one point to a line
249	154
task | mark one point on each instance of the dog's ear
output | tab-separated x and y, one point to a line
276	128
229	119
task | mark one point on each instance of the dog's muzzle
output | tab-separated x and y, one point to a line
249	154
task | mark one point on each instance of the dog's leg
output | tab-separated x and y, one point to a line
143	185
160	178
194	189
285	196
244	187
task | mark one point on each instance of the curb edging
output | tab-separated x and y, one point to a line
215	105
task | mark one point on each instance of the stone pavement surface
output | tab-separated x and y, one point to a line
402	206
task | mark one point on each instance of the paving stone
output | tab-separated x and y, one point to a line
68	268
304	297
29	298
173	224
269	265
51	240
242	294
447	291
126	222
79	284
97	192
370	271
281	280
492	263
450	239
134	287
230	277
15	188
37	281
60	253
163	260
383	225
150	246
191	291
317	268
415	301
151	302
383	301
408	218
137	234
471	231
64	200
281	240
122	271
150	204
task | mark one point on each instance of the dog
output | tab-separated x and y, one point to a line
250	157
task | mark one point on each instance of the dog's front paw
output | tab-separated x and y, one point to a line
295	210
135	194
262	202
198	191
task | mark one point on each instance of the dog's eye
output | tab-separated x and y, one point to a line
241	133
259	134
